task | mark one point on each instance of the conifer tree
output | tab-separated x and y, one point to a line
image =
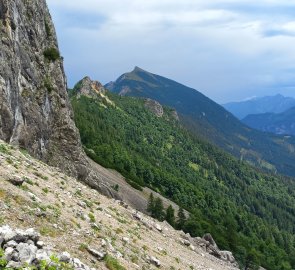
151	204
181	218
170	216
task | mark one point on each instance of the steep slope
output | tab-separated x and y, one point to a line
269	104
74	218
282	123
246	211
35	112
211	121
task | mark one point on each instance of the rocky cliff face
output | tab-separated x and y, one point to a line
87	87
35	112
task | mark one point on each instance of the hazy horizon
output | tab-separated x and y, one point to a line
228	51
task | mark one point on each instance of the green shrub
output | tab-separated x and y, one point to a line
92	217
3	262
3	149
51	54
48	84
48	29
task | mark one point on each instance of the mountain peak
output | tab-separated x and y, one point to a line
89	88
138	69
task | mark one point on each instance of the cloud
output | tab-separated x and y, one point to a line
284	29
226	48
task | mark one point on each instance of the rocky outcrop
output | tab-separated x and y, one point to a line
155	107
23	248
208	244
87	87
35	112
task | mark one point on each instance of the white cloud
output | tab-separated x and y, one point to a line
223	47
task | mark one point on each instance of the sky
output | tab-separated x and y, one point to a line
229	50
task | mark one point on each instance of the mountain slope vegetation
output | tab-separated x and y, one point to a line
211	121
281	123
248	212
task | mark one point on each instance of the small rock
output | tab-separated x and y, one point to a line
155	261
125	240
34	197
40	213
137	216
65	257
186	242
95	226
160	249
40	244
158	227
103	243
97	254
82	204
192	247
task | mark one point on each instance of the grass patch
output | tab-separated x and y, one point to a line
113	264
92	217
45	190
3	149
83	247
48	231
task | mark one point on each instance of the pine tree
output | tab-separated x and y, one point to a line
170	216
181	218
158	212
151	204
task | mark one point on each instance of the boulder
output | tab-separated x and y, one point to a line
16	180
227	256
27	253
208	237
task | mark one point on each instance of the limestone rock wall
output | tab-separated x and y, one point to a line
35	112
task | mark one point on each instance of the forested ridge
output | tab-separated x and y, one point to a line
246	211
205	118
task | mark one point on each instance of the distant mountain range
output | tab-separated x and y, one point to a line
282	123
268	104
211	121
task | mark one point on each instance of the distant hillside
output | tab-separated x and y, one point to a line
282	123
269	104
211	121
250	213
